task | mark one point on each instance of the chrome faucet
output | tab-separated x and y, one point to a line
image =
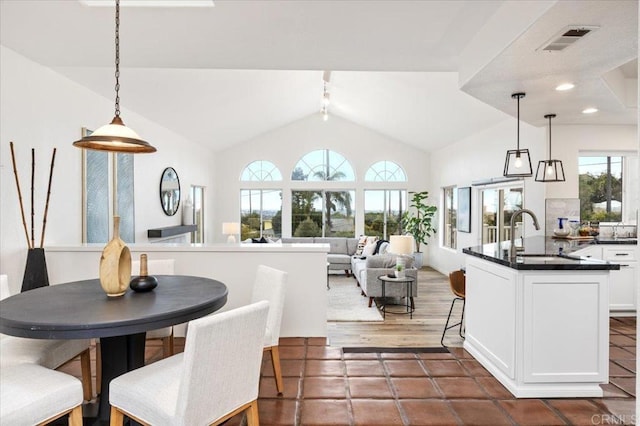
513	224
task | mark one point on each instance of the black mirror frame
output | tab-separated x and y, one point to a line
165	209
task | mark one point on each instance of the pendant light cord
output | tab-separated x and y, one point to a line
518	139
117	74
549	139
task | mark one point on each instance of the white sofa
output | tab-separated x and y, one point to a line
366	272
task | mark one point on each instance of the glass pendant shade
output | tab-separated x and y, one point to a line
550	170
518	161
115	137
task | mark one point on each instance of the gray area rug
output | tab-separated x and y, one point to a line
344	302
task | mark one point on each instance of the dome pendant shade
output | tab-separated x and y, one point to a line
550	170
518	161
115	137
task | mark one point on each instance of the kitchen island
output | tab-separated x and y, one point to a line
539	322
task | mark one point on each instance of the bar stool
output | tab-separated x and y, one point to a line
457	283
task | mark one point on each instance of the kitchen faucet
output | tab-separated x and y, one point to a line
513	223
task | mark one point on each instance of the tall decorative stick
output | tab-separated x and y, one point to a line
46	206
33	172
15	173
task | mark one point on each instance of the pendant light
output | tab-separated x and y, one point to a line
518	161
115	136
550	170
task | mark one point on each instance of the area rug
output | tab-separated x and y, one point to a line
344	302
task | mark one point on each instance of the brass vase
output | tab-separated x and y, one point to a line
115	264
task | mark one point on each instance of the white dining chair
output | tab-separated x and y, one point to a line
34	395
215	378
154	267
270	285
49	353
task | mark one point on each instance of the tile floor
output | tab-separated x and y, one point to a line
324	386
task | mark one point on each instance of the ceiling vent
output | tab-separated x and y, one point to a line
568	36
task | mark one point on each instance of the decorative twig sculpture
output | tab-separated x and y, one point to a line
35	274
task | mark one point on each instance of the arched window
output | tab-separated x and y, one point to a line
261	171
323	165
385	171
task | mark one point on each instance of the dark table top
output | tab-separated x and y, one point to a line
82	309
541	253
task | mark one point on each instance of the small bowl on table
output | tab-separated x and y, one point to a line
561	232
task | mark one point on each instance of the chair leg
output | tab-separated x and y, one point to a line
447	326
252	414
167	346
277	370
85	365
462	318
75	416
370	301
98	368
117	417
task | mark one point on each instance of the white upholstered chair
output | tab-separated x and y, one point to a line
49	353
215	378
270	285
34	395
154	267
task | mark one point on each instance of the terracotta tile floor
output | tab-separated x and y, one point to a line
324	386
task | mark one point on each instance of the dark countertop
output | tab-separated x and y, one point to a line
543	253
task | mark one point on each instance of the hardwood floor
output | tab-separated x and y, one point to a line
424	330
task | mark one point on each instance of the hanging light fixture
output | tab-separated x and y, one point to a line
518	161
326	98
550	170
115	136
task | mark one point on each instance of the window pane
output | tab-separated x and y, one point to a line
323	165
339	220
261	171
306	213
383	209
450	216
385	171
600	188
261	213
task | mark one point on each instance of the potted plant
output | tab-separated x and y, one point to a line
399	272
420	223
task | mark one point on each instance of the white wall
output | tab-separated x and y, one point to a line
285	146
478	157
39	108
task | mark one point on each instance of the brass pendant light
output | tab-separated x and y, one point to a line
518	161
115	136
550	170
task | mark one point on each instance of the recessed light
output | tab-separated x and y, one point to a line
589	110
565	86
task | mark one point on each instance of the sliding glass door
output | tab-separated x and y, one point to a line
498	205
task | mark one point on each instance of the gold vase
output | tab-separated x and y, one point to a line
115	264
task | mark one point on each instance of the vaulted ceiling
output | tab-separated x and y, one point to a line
425	73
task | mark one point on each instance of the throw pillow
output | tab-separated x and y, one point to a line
378	244
361	243
369	249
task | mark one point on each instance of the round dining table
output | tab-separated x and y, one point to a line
81	309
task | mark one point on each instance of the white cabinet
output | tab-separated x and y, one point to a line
622	284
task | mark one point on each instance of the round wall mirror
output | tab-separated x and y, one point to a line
170	191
